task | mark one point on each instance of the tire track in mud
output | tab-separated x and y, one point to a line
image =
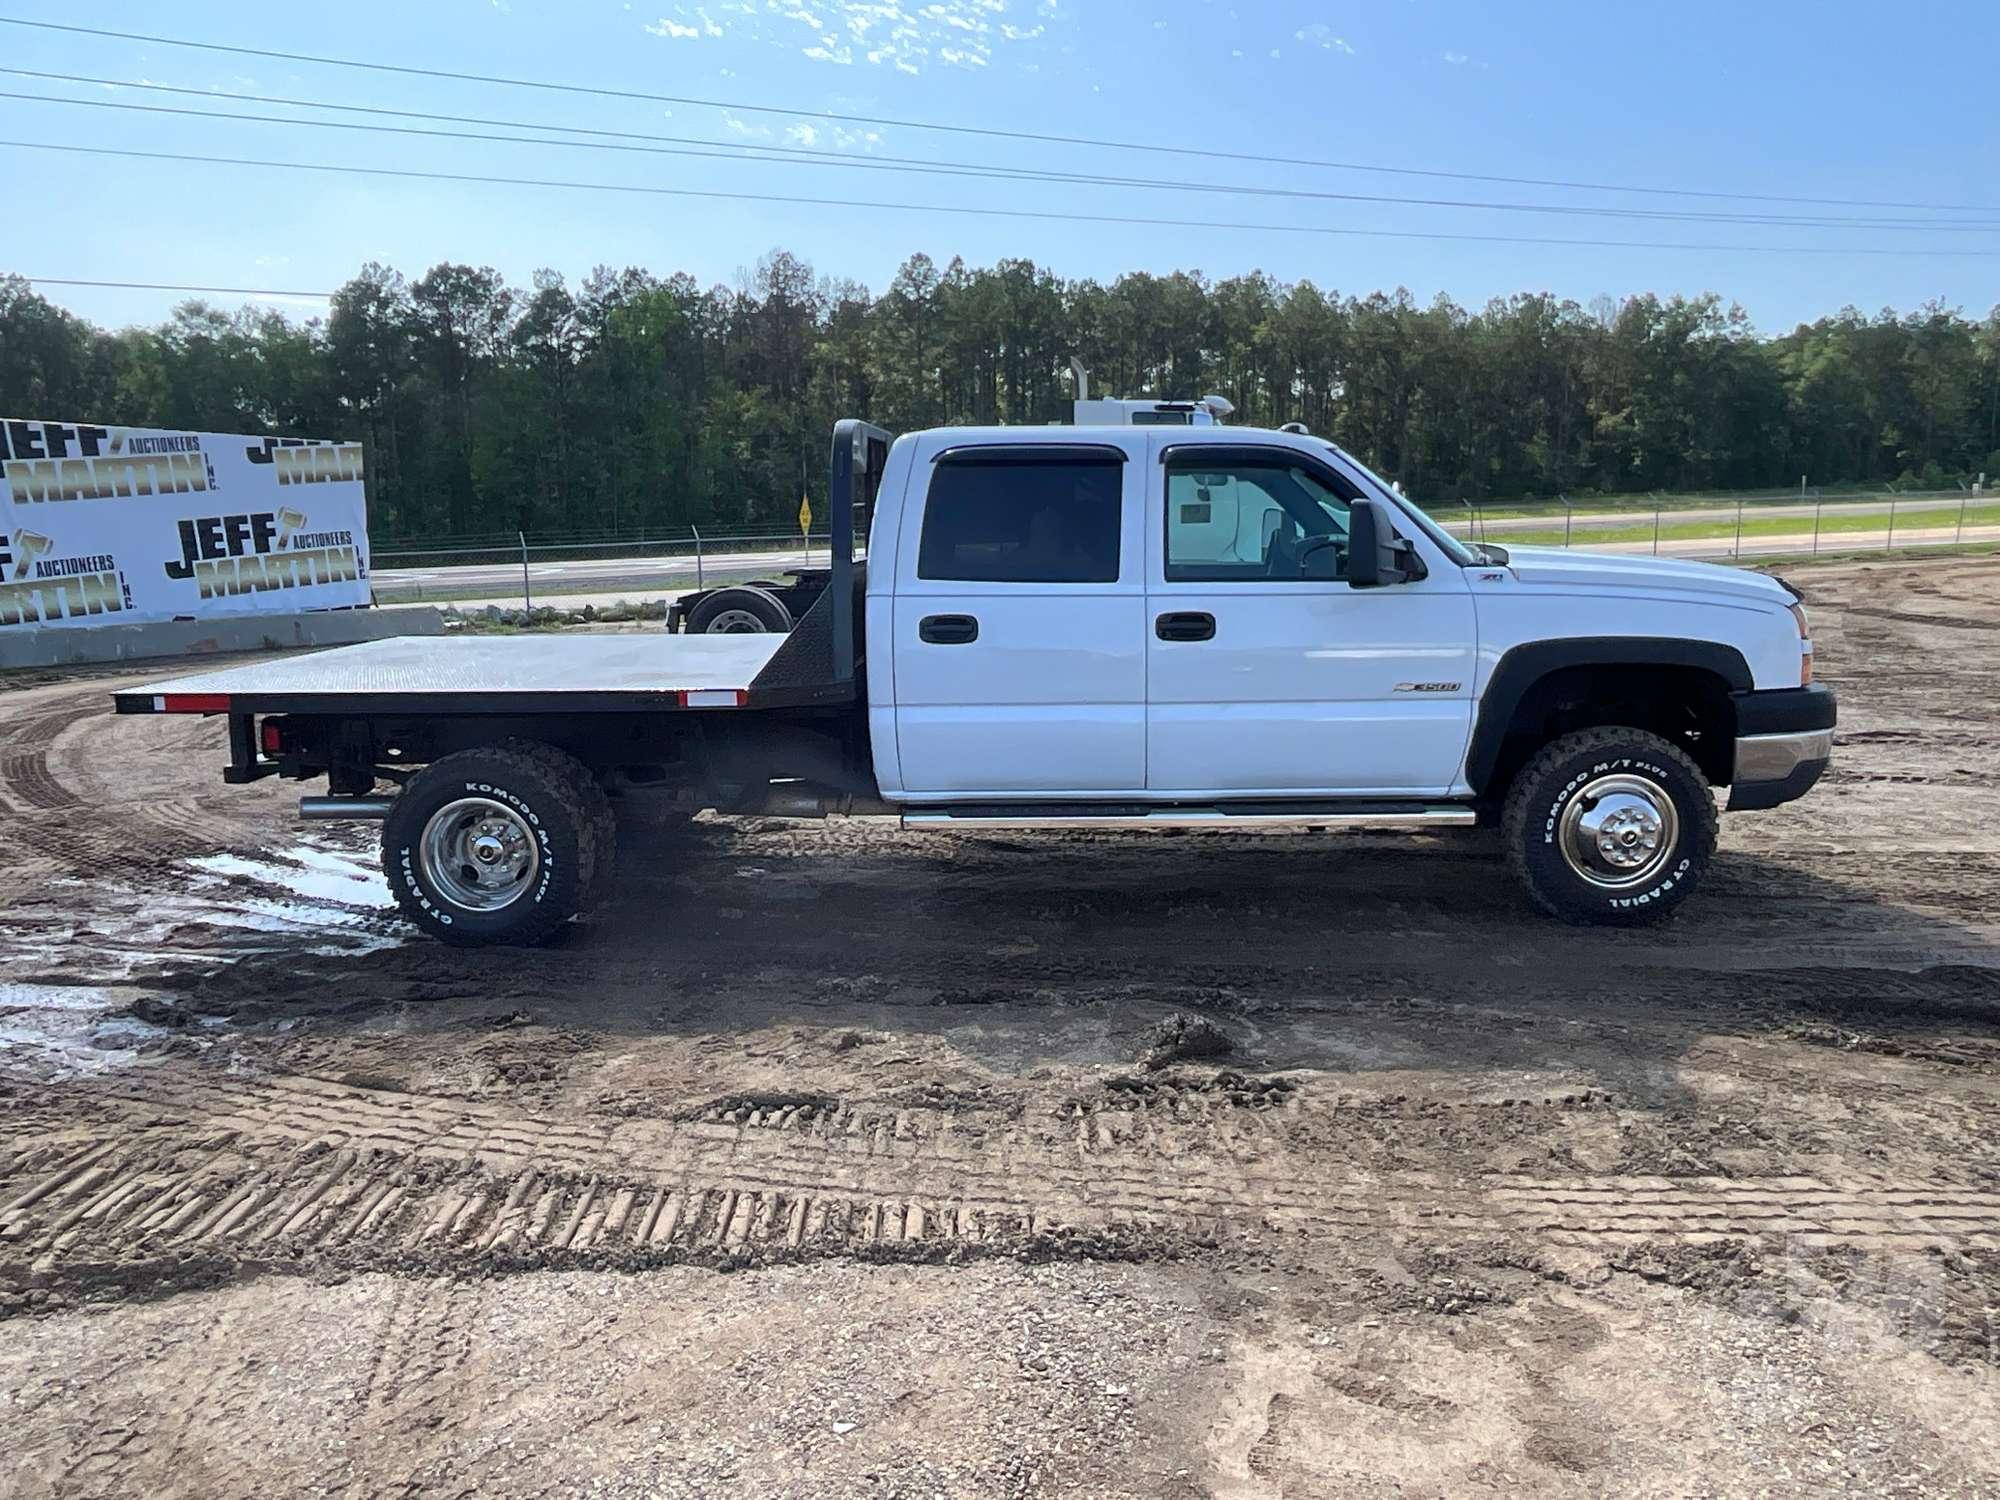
1914	617
428	1184
88	828
25	777
424	1338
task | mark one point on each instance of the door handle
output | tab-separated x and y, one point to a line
948	630
1190	626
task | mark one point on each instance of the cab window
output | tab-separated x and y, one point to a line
994	520
1252	519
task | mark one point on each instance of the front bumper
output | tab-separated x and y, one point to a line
1784	739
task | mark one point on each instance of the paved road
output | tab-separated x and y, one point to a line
592	575
1715	515
1802	542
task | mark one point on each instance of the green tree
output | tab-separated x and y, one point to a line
633	402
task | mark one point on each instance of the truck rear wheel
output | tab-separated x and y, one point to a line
742	610
497	845
1610	827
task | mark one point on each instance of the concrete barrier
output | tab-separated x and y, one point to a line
80	645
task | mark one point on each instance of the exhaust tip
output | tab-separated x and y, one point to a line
339	809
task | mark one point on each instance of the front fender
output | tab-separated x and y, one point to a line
1514	676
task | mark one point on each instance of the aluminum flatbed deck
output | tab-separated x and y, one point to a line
638	673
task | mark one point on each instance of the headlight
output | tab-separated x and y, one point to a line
1805	644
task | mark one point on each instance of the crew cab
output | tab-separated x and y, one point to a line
1106	627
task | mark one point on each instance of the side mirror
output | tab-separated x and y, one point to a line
1375	554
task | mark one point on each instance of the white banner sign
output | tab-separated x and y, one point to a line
111	525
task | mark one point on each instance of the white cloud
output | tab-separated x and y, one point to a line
695	21
908	35
1319	34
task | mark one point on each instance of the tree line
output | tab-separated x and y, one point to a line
635	402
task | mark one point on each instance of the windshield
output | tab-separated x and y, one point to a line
1453	547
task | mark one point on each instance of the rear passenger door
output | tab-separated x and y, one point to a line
1020	621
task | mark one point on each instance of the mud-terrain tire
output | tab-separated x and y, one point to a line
534	816
742	610
604	853
1578	818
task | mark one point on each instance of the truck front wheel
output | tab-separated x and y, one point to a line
496	845
1610	827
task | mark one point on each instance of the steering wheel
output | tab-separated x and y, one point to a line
1311	546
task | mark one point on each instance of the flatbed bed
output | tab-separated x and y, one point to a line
639	673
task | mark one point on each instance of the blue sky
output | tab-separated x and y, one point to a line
1832	99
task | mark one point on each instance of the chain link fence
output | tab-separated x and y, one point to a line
1733	528
601	568
524	570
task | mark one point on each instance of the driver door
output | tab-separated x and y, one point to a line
1266	680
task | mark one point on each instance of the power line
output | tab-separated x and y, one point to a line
168	286
792	155
716	150
988	132
717	195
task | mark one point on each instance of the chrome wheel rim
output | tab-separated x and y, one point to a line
736	622
479	854
1619	831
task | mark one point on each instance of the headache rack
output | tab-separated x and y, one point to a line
821	657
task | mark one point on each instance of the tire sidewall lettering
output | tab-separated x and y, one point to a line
406	858
1657	893
1661	774
1555	791
434	907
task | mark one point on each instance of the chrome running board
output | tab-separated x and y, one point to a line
1260	815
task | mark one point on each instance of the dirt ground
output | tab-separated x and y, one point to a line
828	1160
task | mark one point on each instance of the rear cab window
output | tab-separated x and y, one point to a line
1021	514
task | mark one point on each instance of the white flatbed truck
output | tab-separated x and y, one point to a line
1112	627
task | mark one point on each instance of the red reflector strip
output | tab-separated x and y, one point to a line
714	698
192	703
273	737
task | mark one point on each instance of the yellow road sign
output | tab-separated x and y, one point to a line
805	516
